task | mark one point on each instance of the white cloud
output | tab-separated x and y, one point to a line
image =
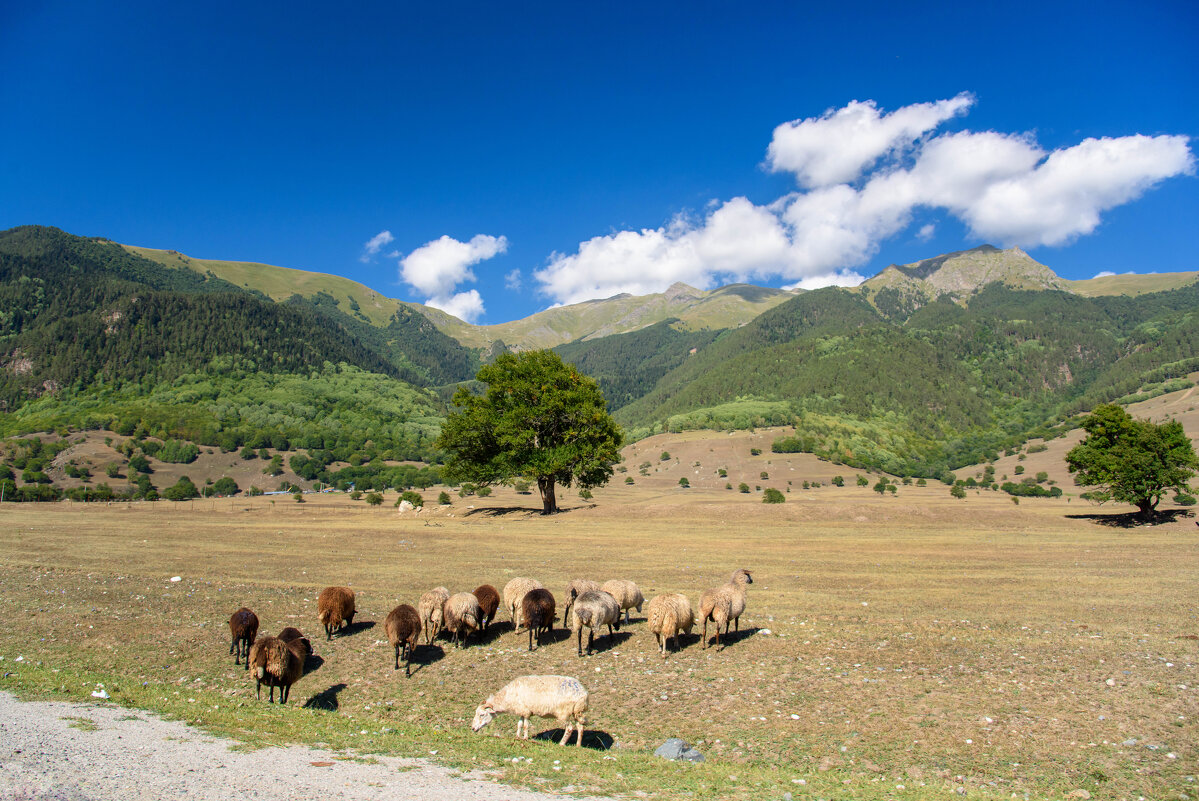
865	174
836	147
1104	274
436	268
512	280
926	232
375	244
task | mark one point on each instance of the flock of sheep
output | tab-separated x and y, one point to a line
278	661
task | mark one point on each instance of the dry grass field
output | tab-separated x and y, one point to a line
917	644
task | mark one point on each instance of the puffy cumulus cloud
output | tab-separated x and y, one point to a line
436	268
375	244
836	147
865	173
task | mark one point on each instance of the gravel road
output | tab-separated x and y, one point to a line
84	752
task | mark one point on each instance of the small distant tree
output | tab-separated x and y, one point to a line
253	491
665	457
443	498
1132	461
838	481
628	480
585	494
112	470
863	481
412	497
356	495
764	475
483	492
225	486
755	451
771	495
140	463
684	482
374	498
521	486
881	486
181	490
743	487
958	491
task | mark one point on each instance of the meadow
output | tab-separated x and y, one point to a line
893	647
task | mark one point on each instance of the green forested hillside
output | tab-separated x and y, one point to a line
947	386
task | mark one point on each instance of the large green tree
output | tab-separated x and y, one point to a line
538	418
1132	461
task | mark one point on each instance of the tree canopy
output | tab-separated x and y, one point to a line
1132	461
538	418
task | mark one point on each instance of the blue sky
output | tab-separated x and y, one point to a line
523	155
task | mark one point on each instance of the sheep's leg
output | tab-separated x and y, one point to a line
590	640
580	636
284	693
397	667
705	633
570	724
579	729
530	638
737	623
235	644
259	691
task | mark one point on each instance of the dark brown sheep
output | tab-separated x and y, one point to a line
537	611
489	602
335	608
403	629
277	664
292	634
243	625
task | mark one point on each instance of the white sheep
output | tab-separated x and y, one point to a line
575	588
626	593
593	609
724	603
560	697
669	615
429	607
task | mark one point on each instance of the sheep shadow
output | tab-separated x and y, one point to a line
606	642
313	663
594	739
326	699
1134	519
424	655
351	629
732	638
494	632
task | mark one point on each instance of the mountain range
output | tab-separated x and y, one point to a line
923	367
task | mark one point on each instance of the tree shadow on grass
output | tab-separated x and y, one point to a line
325	699
1134	519
595	739
503	511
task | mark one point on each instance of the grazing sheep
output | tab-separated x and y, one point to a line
462	615
724	603
537	612
489	601
560	697
430	606
593	609
626	593
243	625
514	593
292	634
668	615
403	630
574	588
277	664
335	608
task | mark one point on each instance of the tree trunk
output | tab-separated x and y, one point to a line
549	501
1146	507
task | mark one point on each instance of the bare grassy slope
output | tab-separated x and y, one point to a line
914	640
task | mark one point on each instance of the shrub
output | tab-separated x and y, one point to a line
226	486
722	472
373	498
181	490
1184	499
684	483
838	481
141	464
920	482
743	487
248	453
356	495
483	492
466	490
958	491
253	491
1042	477
174	451
1019	470
443	498
863	481
728	485
522	487
585	494
112	470
771	495
298	496
764	475
628	480
755	451
664	457
412	497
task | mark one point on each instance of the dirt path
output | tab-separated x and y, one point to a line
83	752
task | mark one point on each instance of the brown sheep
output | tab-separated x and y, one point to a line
514	593
723	604
537	612
243	625
335	608
489	601
277	664
429	608
670	614
292	634
575	588
403	631
462	615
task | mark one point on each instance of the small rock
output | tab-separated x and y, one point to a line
767	632
1131	741
1078	794
672	748
176	578
1110	682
